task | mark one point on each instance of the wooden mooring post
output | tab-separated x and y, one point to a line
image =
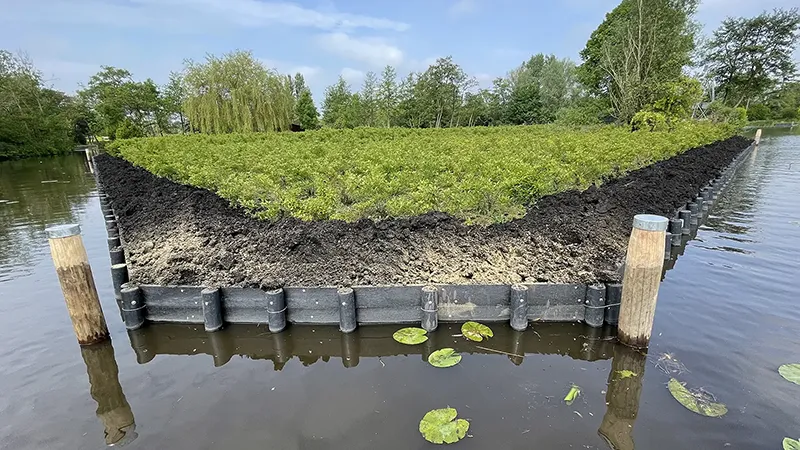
758	137
643	264
77	283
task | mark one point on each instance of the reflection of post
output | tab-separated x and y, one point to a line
622	397
283	352
350	349
112	407
221	347
517	347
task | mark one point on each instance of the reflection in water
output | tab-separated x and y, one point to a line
36	193
112	407
622	397
312	343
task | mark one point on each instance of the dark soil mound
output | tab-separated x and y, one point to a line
177	234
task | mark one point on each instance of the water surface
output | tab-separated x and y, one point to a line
726	311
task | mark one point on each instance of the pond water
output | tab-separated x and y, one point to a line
726	311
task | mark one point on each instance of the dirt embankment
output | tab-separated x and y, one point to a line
178	234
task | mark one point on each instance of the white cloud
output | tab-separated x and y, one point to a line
463	7
182	15
373	51
352	76
286	67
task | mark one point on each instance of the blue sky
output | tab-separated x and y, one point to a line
70	39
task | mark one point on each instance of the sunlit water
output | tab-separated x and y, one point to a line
727	311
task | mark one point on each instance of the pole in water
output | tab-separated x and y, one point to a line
758	137
676	229
519	307
77	283
347	310
643	264
134	310
685	217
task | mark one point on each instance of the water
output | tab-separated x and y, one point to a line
727	311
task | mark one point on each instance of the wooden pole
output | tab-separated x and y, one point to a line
758	137
643	265
77	283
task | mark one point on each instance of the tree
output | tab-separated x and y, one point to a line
299	86
306	111
748	57
387	96
34	120
439	92
236	93
335	104
555	79
525	106
369	100
641	44
174	95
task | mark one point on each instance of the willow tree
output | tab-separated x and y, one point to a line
236	93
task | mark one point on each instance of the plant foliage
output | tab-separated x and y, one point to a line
445	357
697	401
440	426
475	331
410	336
481	175
790	372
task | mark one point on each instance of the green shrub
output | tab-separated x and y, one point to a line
481	174
758	112
720	113
649	121
127	129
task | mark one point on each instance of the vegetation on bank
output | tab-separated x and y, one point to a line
482	174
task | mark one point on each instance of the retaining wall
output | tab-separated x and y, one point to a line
519	304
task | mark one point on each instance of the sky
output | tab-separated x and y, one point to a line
68	40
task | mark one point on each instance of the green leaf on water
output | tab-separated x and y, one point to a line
410	336
791	444
446	357
791	372
573	394
626	374
475	331
698	402
440	426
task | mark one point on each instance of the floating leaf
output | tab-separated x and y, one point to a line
697	401
791	444
573	393
446	357
475	331
440	426
791	372
626	374
410	336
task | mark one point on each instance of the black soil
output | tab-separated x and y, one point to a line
176	234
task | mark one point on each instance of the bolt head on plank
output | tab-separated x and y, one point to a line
650	222
63	231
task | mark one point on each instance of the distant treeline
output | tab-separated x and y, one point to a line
633	71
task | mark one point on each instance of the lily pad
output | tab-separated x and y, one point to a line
573	394
475	331
791	372
791	444
446	357
697	401
410	336
626	374
440	426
